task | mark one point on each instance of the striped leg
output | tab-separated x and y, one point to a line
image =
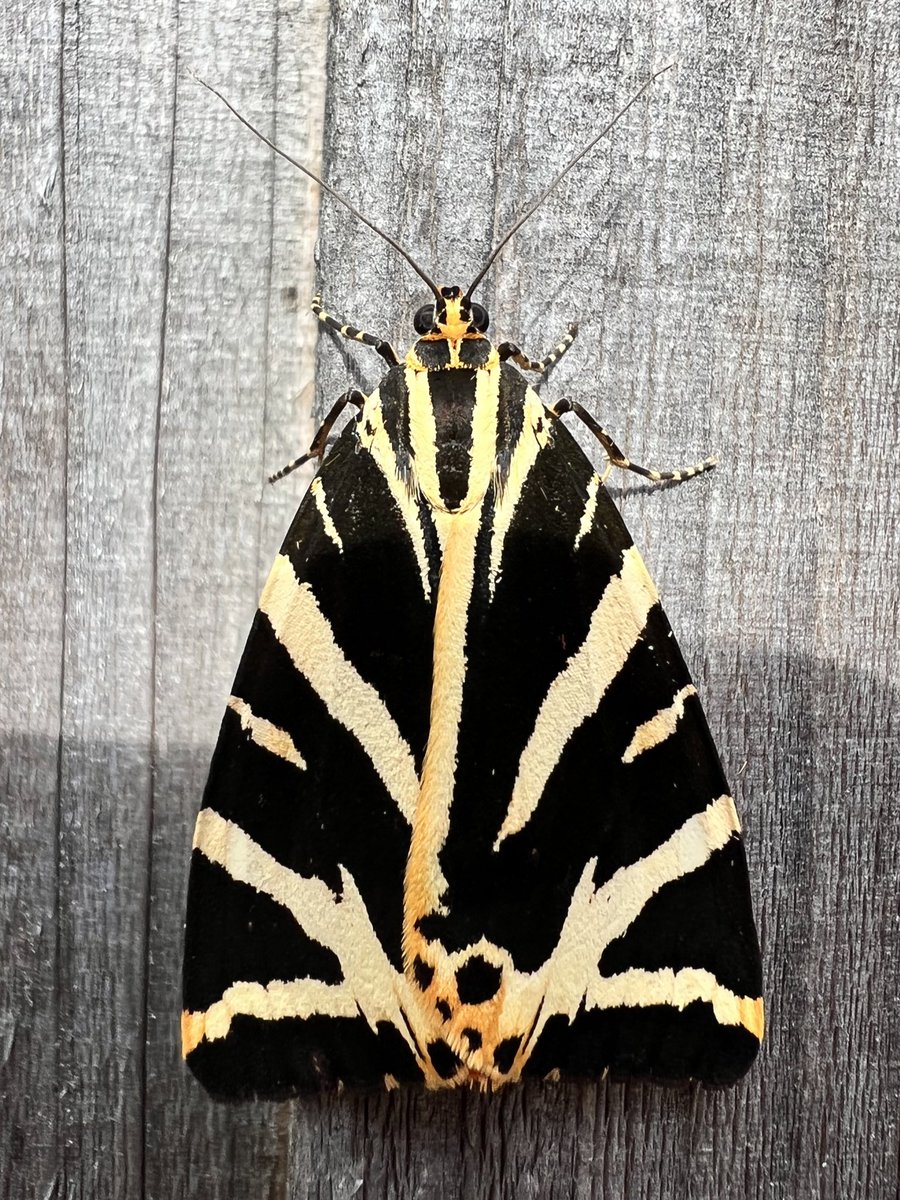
616	457
511	350
385	349
317	448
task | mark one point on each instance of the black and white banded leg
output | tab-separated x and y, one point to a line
385	349
617	458
317	447
511	350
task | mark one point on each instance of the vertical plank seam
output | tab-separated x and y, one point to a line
58	1184
267	310
282	1145
154	608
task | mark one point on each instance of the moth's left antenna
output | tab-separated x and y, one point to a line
322	184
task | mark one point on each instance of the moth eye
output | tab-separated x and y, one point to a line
480	318
423	321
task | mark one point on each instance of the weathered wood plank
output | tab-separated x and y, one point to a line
237	352
116	168
32	598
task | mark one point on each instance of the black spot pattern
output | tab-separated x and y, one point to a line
443	1059
505	1053
477	980
424	973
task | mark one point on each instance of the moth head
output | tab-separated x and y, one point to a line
453	316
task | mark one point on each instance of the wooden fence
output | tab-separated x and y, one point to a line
732	253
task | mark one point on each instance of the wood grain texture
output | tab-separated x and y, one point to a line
733	255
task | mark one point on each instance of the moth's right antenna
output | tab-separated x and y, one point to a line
536	204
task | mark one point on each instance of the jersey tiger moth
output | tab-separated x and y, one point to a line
465	822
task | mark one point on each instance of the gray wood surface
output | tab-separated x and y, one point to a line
732	253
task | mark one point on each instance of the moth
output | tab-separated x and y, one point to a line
465	823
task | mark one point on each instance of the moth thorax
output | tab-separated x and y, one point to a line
453	434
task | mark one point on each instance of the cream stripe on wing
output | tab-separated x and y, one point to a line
379	445
598	916
318	493
306	634
483	451
660	726
423	436
267	1002
341	923
524	456
637	988
590	508
577	690
620	900
264	733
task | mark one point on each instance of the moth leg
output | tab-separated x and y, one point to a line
511	350
317	446
385	349
616	457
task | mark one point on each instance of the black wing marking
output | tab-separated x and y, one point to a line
592	839
292	954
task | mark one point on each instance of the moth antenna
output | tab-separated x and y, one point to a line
322	184
536	204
